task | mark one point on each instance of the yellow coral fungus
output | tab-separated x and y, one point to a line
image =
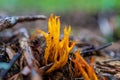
56	51
85	69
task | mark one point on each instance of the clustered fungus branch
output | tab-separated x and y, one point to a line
56	51
86	70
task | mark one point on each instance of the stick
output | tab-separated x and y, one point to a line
107	61
95	49
9	22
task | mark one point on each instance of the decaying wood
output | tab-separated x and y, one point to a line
108	69
9	22
27	52
25	46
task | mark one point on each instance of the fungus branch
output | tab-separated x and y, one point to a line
85	69
56	51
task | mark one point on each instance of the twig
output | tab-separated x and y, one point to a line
4	72
9	22
45	68
107	61
109	70
30	18
95	49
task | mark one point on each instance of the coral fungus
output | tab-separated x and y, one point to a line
85	69
56	51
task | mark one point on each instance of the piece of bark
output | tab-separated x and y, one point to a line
10	52
25	46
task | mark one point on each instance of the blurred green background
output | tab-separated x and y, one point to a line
57	6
